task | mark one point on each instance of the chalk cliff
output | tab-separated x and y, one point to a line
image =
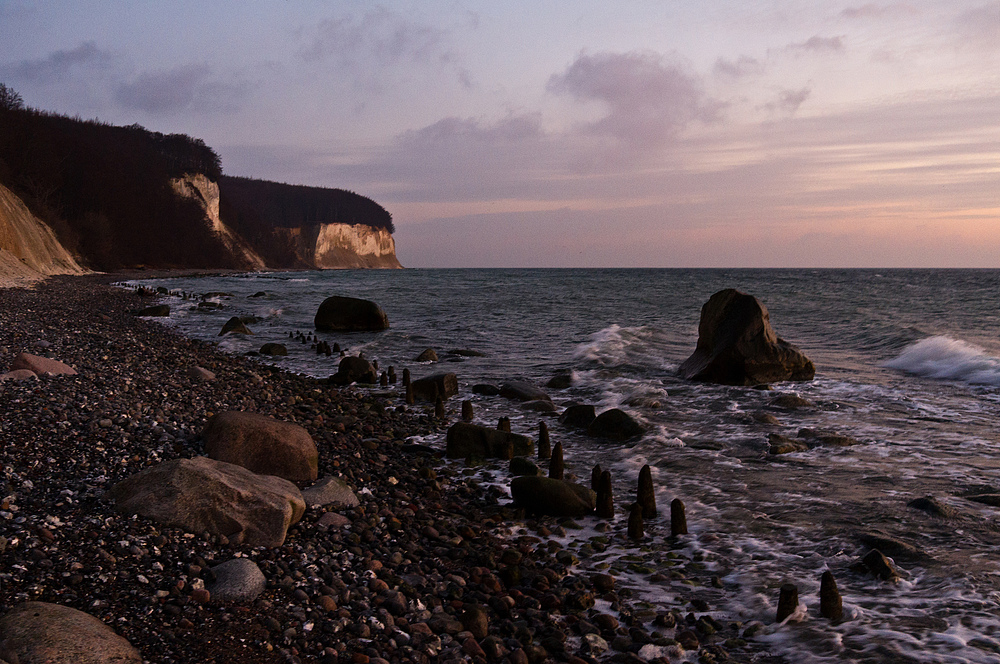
353	246
206	192
320	246
29	250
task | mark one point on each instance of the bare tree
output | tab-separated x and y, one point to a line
10	100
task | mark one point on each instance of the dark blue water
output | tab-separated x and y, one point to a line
907	364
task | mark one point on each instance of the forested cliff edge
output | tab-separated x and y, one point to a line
123	197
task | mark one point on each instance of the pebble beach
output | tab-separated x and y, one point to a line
432	565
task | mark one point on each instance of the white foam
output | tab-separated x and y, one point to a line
945	358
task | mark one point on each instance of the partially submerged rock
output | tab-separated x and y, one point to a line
578	416
737	346
544	495
350	314
202	494
272	348
438	386
235	325
520	390
471	441
778	444
41	365
427	356
614	424
262	444
54	634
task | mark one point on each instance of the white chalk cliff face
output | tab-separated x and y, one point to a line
206	192
353	246
323	246
29	250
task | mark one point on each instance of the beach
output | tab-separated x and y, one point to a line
432	565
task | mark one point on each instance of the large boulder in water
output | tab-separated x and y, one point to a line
471	441
56	634
736	345
202	494
544	495
262	444
350	314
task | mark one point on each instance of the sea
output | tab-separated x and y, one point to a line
907	365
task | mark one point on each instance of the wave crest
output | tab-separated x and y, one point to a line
945	358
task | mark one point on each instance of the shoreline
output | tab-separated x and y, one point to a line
392	585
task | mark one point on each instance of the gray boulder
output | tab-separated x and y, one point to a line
354	370
54	634
471	441
544	495
737	346
431	388
350	314
237	580
330	491
202	494
614	424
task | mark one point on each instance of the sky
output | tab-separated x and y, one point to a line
717	133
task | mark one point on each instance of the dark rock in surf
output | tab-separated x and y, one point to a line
235	325
354	370
520	390
560	381
465	352
427	356
544	495
890	545
272	348
876	563
614	424
932	506
350	314
737	346
778	444
790	402
486	389
438	386
471	441
578	416
540	406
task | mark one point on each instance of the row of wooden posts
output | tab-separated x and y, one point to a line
644	507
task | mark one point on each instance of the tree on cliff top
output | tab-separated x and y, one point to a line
10	100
